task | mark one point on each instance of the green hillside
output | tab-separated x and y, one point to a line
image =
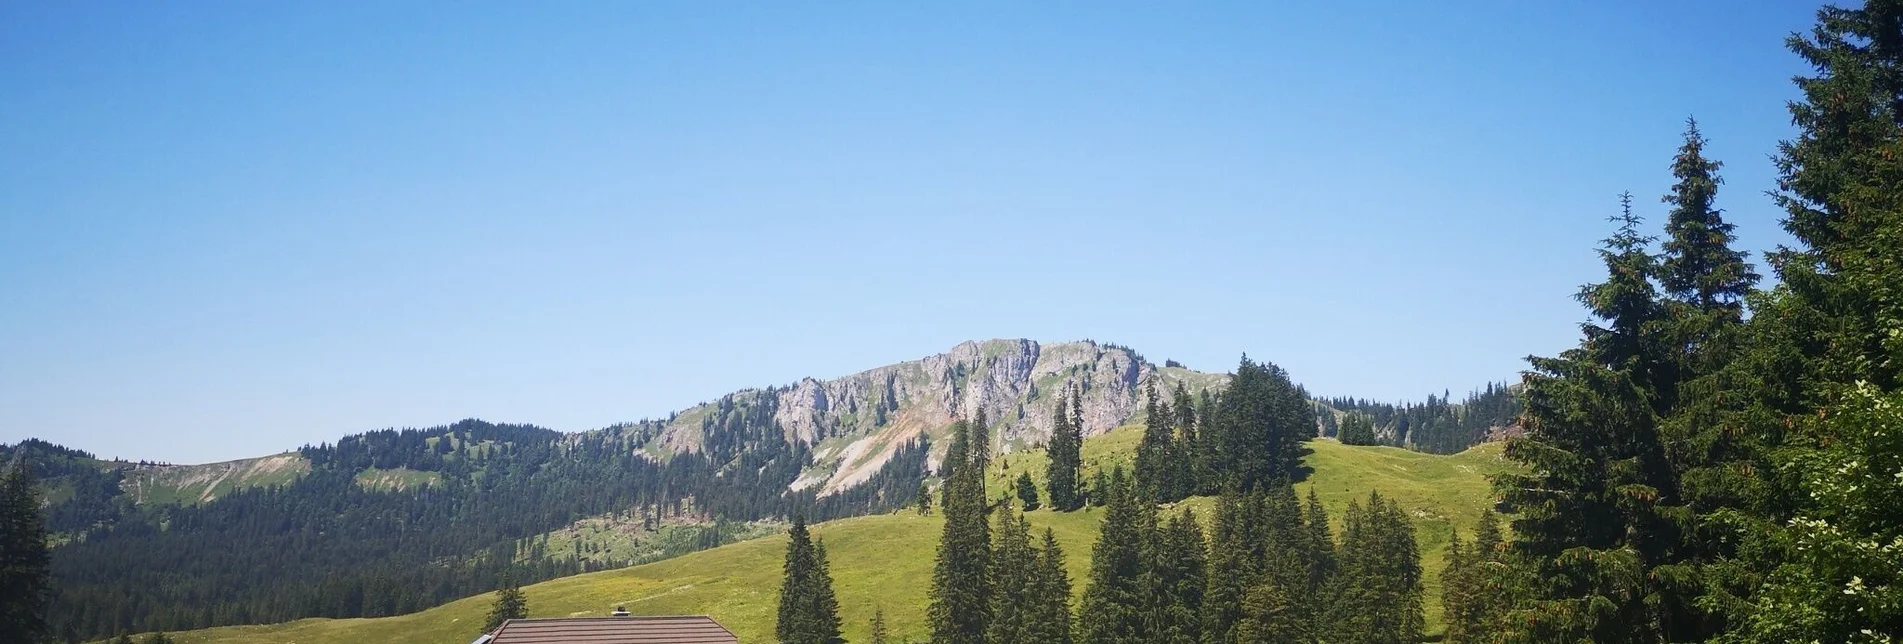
885	561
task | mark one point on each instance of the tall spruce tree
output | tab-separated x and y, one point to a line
25	580
1261	424
1113	606
510	603
1176	579
961	589
1599	513
1827	362
1062	476
1049	611
1013	581
1377	597
1231	556
1188	444
1027	491
808	609
1478	585
1155	448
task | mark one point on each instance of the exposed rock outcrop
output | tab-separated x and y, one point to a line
857	421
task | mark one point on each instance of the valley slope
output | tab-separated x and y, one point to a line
884	561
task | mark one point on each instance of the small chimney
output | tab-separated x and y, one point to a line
620	611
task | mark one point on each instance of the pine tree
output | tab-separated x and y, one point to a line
1065	448
1377	595
25	561
1827	351
1177	578
1599	500
510	604
808	609
1269	616
1699	265
878	634
1261	423
1478	586
924	499
961	592
1027	491
1230	555
1188	444
1099	489
1154	449
1013	571
1049	614
1113	605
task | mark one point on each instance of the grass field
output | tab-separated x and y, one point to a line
885	561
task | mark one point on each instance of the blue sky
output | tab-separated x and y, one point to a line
227	229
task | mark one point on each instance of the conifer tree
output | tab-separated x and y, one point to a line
1478	586
1269	616
1188	444
1013	571
1113	605
1377	595
1234	566
1828	354
1177	578
1062	475
1027	491
808	610
510	604
1154	449
878	634
924	499
1049	613
1599	500
961	592
1261	423
1099	489
25	561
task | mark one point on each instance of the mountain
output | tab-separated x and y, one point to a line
883	562
395	521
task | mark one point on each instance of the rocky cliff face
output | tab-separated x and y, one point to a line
856	422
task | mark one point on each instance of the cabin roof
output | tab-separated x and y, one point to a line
674	629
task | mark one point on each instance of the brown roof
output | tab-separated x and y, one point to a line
695	629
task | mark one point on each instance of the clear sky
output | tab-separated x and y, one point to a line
228	229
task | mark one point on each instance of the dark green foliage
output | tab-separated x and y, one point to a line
1439	426
1259	428
249	556
961	585
1190	471
1048	614
1155	459
1176	576
1269	616
1377	592
1063	476
1233	558
1824	355
924	500
1598	501
808	609
24	562
878	634
510	604
1014	570
1099	489
156	638
1027	491
1356	429
1113	604
1479	585
1699	265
